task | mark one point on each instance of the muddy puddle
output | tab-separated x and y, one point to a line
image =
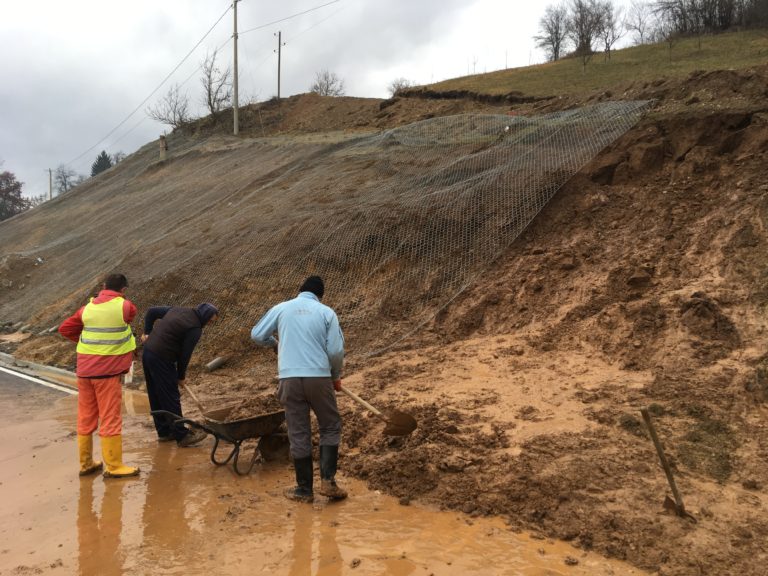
184	515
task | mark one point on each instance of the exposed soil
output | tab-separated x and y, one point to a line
643	283
255	406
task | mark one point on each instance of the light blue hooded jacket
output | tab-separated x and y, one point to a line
310	340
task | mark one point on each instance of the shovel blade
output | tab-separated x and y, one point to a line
399	423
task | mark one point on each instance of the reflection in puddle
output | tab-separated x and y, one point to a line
183	515
98	534
135	402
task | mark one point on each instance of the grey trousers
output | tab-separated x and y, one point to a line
298	395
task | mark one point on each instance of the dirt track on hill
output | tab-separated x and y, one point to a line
643	283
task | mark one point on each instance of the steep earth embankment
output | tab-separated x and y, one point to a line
642	284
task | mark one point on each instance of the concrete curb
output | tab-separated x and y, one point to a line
48	373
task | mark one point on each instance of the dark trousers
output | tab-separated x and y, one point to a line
163	391
298	396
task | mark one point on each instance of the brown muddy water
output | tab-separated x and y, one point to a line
184	515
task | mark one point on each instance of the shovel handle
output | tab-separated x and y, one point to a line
362	402
195	398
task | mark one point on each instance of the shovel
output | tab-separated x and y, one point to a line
398	423
199	404
203	409
195	398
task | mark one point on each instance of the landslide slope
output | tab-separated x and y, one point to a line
642	284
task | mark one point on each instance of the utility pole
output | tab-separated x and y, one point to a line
234	84
279	46
50	184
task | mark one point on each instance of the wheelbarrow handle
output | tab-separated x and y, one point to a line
196	424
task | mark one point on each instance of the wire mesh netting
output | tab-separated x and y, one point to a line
422	210
398	223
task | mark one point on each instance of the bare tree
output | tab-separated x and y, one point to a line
554	31
706	16
217	84
37	200
666	31
639	20
327	84
584	23
172	109
118	157
64	179
673	16
611	26
399	84
752	13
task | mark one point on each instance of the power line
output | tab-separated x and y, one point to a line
172	72
248	66
269	55
139	123
289	17
317	23
180	84
197	70
187	79
155	90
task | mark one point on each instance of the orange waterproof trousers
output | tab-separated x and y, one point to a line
100	399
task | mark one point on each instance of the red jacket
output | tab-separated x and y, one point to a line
93	365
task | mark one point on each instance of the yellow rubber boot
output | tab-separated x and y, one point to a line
112	450
85	449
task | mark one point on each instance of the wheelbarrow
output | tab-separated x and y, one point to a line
264	426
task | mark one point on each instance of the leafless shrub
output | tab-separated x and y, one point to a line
172	109
217	85
327	84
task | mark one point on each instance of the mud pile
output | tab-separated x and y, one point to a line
650	266
251	407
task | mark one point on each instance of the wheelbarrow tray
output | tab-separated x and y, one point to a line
235	432
243	429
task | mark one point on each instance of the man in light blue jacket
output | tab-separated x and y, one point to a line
310	349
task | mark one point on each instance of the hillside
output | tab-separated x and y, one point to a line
642	283
637	65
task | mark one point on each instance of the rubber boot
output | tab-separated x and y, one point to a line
329	457
112	451
302	492
85	449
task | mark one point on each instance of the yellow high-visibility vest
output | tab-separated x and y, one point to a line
105	333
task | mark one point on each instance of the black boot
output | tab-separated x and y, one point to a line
329	457
303	490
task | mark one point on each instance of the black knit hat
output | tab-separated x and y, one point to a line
315	285
206	311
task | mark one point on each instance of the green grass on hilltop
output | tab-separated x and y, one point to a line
733	50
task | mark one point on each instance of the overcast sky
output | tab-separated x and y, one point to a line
73	70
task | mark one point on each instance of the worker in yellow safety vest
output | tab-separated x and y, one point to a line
105	352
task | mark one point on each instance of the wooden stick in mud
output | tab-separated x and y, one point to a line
680	508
